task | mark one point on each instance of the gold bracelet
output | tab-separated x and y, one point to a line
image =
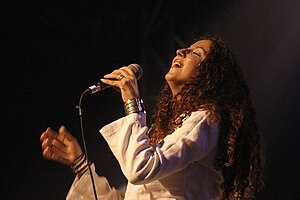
133	106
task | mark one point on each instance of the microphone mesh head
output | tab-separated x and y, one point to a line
137	70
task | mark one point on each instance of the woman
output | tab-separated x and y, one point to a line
203	144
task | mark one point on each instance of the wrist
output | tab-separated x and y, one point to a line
134	105
80	165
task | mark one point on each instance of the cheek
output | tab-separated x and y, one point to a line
188	74
192	68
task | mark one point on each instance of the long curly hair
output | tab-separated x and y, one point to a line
219	88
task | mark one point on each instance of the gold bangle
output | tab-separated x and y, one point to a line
133	106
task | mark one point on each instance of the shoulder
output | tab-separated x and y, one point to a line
197	121
196	117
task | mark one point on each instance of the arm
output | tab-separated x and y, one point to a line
142	163
82	188
63	147
60	146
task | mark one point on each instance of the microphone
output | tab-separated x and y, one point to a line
137	70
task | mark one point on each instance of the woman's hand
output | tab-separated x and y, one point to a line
125	80
61	147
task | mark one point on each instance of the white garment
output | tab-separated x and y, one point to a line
179	168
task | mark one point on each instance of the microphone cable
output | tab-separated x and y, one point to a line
83	140
138	71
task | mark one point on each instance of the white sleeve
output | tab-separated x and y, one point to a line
142	163
82	188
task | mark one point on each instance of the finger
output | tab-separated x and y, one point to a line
63	132
126	71
50	155
45	144
123	74
58	150
47	141
63	139
113	76
66	137
115	72
50	131
110	82
42	137
60	147
47	133
47	153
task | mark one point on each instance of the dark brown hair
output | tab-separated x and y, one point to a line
219	88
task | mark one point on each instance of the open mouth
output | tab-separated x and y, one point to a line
177	64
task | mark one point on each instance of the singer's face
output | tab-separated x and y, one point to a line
185	63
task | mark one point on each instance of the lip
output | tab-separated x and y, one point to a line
177	63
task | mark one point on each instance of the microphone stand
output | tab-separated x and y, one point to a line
83	140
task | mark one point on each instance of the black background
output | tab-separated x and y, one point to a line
53	50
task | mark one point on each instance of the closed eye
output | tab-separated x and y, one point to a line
197	52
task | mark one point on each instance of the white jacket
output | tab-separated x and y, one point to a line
179	168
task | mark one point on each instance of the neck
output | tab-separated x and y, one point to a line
175	88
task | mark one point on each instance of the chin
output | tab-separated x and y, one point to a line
169	77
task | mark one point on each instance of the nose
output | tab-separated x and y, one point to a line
182	52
